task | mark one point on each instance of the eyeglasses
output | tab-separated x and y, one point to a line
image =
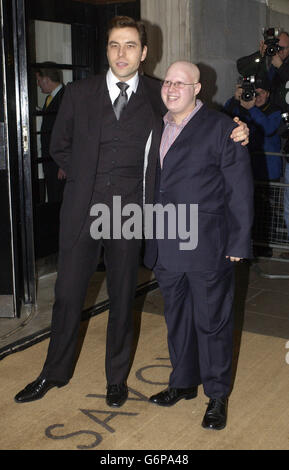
177	85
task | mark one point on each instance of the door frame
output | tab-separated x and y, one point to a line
8	290
24	151
9	163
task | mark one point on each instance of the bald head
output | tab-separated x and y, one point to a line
187	67
179	97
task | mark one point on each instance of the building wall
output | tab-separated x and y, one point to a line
169	33
213	34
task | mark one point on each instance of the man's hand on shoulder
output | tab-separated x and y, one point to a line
240	133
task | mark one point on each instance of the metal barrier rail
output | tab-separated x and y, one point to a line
269	228
269	225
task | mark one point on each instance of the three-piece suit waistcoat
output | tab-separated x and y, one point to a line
120	169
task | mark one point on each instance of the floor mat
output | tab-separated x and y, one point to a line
77	417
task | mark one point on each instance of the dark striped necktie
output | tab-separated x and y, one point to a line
122	99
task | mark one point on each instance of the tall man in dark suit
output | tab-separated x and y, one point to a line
49	80
200	165
106	139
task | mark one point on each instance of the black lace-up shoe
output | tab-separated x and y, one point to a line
116	395
216	414
172	395
36	390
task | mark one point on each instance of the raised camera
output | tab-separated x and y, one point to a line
249	89
271	39
285	119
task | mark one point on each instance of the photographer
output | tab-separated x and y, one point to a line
278	72
251	103
263	119
271	62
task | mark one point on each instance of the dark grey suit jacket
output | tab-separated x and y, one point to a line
75	146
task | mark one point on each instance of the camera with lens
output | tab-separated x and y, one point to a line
249	88
284	133
285	119
271	39
283	130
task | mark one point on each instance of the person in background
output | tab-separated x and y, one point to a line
275	69
263	119
49	80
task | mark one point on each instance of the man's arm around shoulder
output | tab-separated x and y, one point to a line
239	190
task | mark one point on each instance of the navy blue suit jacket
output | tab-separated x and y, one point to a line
205	167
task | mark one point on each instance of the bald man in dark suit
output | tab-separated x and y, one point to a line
200	166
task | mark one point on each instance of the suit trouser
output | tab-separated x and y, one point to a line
76	266
199	317
54	186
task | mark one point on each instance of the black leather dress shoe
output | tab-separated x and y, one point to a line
216	414
36	390
171	395
116	395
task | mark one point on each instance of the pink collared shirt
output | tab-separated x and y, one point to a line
172	130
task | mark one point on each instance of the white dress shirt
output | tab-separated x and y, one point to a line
113	89
56	90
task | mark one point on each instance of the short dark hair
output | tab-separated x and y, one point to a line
47	69
128	22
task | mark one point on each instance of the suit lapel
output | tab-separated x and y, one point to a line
193	126
95	99
153	156
54	102
157	122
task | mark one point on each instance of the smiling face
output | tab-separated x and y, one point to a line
124	52
181	102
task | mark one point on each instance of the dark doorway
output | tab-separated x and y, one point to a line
71	35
